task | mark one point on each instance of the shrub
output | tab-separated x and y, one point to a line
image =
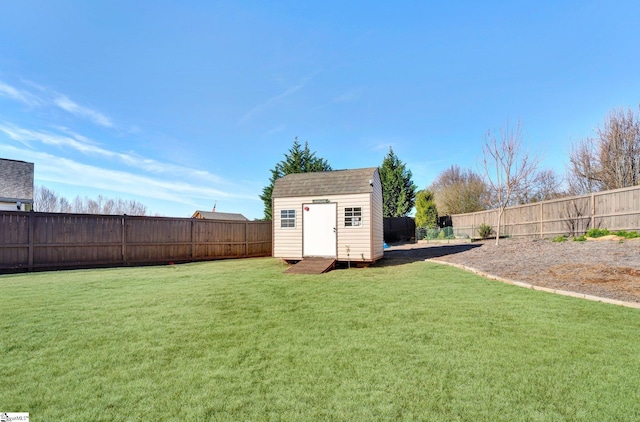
597	233
627	235
432	233
582	238
562	238
605	232
485	230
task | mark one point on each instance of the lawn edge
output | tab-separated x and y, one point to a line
626	304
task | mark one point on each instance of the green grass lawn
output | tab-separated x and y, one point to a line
240	340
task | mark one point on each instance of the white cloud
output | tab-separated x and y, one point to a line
57	169
65	157
87	147
18	95
67	171
259	108
66	104
276	129
348	97
382	146
50	97
27	137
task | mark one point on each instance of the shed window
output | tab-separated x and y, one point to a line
287	218
353	217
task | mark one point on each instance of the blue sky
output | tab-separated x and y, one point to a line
182	104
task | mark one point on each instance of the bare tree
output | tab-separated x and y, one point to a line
542	186
458	191
131	207
78	205
612	159
64	205
547	185
506	166
92	206
620	149
575	217
109	206
46	200
584	174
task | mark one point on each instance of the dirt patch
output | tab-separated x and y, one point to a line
595	273
605	238
607	268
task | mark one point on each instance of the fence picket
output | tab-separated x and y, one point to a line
617	209
32	240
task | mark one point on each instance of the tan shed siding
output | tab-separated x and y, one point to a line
287	241
365	242
357	238
377	229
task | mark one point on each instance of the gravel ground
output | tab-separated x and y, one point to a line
606	268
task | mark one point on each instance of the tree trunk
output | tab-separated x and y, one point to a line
499	218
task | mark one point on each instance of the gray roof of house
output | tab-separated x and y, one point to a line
226	216
16	180
338	182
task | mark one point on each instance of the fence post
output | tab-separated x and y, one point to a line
473	225
193	237
124	239
593	210
31	224
541	221
246	238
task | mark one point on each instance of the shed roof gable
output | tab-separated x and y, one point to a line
337	182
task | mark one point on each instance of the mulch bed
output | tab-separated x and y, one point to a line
607	268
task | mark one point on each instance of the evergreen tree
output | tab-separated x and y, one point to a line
398	190
426	211
298	160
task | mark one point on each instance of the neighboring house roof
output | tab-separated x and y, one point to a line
16	181
338	182
225	216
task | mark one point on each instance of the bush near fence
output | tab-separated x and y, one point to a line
36	241
617	209
435	233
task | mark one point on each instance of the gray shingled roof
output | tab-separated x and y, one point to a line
16	180
225	216
339	182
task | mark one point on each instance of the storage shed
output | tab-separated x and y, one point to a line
331	214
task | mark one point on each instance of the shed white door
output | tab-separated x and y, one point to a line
319	236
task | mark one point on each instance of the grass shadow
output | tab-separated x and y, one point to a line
407	253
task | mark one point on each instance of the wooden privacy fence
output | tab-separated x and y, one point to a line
398	228
614	210
31	240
